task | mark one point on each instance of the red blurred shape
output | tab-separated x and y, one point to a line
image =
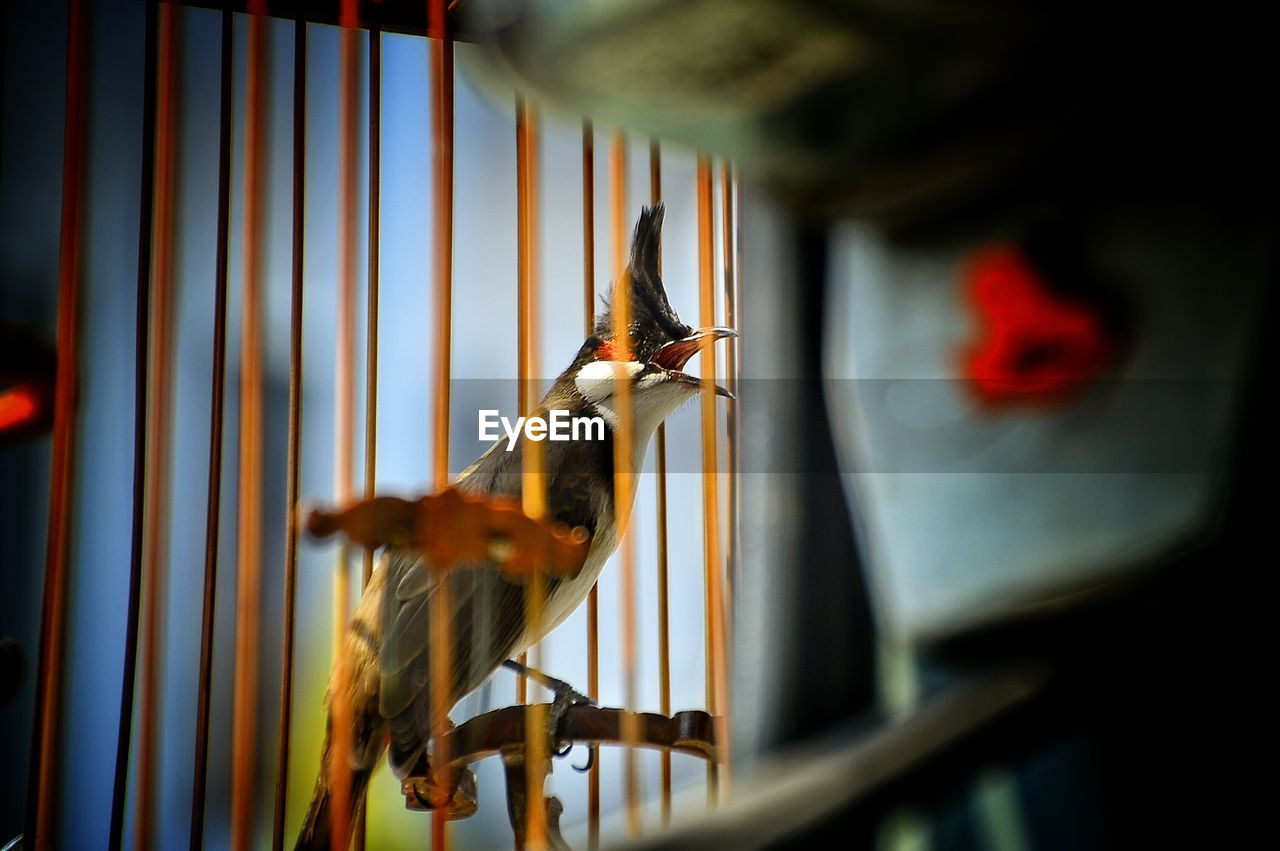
1034	347
19	408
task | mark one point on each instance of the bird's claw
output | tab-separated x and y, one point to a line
565	698
423	790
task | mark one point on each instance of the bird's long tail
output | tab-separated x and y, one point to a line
365	732
317	828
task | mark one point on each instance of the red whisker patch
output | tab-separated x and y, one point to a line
608	351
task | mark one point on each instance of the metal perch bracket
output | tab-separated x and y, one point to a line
452	528
503	732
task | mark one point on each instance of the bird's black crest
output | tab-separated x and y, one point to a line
649	304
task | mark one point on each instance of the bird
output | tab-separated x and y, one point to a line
386	645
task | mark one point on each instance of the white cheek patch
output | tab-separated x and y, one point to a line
597	380
653	379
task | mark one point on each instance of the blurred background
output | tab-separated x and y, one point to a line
1006	273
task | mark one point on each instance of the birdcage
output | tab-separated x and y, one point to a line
233	150
1001	274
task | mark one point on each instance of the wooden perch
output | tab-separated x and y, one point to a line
502	732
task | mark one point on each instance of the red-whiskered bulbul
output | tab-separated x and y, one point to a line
386	646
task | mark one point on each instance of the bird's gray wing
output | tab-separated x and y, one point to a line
484	612
485	608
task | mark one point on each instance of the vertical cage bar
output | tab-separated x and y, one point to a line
442	211
217	394
728	235
124	735
588	227
249	521
284	734
523	349
533	489
526	332
734	429
655	174
589	321
339	768
522	346
526	354
660	484
624	475
371	331
714	615
159	450
42	809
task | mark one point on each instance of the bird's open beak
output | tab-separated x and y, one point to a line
674	355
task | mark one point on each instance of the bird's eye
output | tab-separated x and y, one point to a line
633	339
